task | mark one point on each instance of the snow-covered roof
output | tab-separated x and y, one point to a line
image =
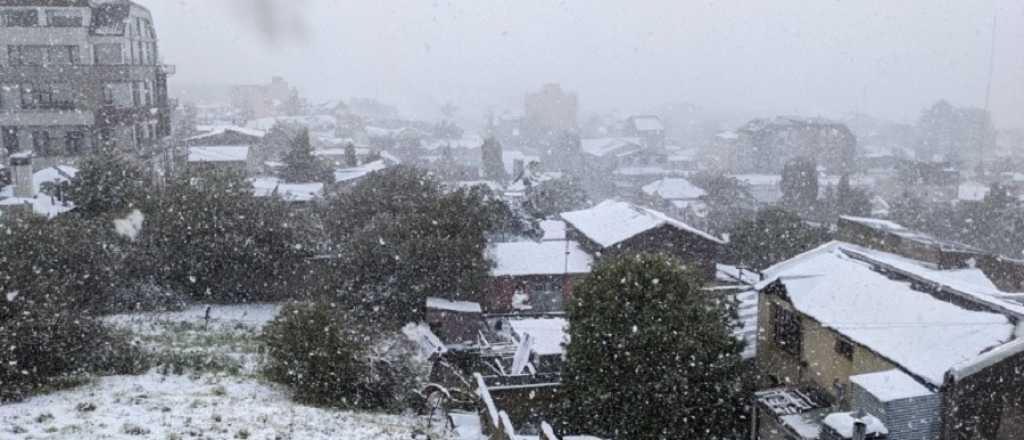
218	154
55	174
673	189
972	191
508	158
907	233
891	385
612	221
838	285
466	142
522	258
313	122
217	130
453	306
600	147
554	230
758	179
289	192
548	334
648	123
728	135
42	204
349	174
842	423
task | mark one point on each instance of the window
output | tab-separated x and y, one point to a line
74	142
109	54
9	139
42	55
118	95
46	97
786	329
844	348
136	94
63	18
147	95
19	18
41	142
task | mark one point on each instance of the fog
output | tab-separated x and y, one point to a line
882	57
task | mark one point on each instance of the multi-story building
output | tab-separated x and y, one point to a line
78	74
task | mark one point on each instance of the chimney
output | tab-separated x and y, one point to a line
859	427
21	173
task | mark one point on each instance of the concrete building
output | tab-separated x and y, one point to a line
257	101
767	144
76	74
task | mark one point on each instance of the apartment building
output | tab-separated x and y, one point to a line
78	74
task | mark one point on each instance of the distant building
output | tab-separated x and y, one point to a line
235	158
649	129
257	101
765	145
551	110
75	74
613	227
532	276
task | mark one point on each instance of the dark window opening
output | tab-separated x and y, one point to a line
786	329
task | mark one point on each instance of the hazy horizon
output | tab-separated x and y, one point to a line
884	58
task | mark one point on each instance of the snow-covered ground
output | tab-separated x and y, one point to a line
168	407
211	403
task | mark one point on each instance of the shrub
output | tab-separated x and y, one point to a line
47	347
328	358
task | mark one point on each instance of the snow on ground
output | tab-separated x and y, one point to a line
207	398
178	407
227	342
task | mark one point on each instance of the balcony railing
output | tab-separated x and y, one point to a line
168	69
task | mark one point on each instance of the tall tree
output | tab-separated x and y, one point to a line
300	165
728	199
491	160
554	196
351	159
107	183
799	184
772	236
647	346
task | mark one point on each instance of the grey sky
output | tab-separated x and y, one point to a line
884	57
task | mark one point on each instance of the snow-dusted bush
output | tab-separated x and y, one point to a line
44	345
330	358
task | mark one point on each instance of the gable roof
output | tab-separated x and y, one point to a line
544	258
618	146
842	286
673	189
612	222
217	130
218	154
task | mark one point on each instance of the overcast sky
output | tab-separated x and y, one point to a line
888	58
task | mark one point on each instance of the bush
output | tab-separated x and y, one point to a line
142	297
328	358
45	346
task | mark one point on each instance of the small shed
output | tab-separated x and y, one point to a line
454	322
910	410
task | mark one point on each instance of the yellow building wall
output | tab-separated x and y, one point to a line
819	363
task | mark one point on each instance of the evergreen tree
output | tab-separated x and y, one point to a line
555	196
652	356
107	183
493	165
351	159
799	184
300	165
774	235
850	200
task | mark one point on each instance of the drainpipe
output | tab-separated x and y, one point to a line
859	427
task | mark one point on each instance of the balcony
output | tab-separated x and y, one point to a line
47	117
168	69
